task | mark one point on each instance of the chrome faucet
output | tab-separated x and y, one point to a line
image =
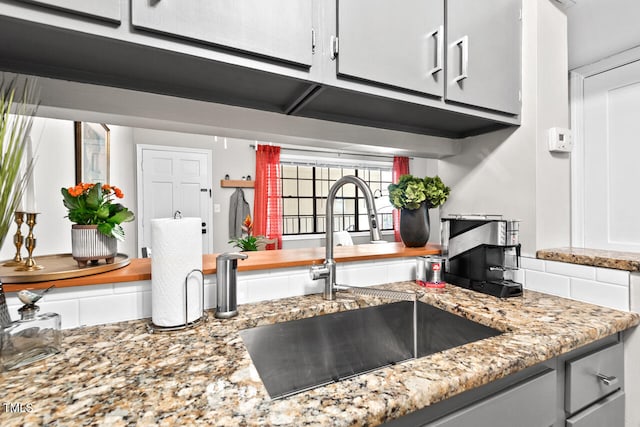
327	270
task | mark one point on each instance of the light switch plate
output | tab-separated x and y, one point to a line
560	140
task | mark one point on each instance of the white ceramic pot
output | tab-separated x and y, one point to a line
88	244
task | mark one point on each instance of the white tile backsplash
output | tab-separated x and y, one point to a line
609	275
595	285
532	264
605	294
548	283
571	270
100	304
112	308
128	287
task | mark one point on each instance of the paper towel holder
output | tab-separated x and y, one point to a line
152	327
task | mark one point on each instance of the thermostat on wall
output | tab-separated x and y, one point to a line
560	140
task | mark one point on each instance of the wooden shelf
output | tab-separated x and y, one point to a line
235	183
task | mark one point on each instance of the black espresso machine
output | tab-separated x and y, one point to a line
483	253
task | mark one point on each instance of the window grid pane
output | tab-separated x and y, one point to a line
305	190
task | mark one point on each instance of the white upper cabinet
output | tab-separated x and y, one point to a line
279	29
108	10
400	44
484	40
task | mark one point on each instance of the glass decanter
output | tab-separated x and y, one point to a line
32	338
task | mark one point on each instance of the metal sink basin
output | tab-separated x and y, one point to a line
303	354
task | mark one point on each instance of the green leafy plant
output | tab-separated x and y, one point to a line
247	242
16	118
92	204
411	191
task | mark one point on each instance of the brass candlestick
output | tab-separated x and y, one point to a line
18	240
30	264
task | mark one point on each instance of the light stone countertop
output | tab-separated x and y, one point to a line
118	374
619	260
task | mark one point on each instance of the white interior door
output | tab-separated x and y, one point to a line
611	154
173	179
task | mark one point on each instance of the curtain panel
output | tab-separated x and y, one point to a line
400	167
267	202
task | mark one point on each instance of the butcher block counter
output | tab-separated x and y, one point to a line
140	268
120	374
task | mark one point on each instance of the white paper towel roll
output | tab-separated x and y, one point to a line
177	250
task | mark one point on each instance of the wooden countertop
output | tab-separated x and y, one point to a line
140	268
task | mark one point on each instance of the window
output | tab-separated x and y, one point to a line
304	198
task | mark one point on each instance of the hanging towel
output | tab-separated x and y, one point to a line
238	211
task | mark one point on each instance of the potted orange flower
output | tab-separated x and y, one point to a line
96	229
248	242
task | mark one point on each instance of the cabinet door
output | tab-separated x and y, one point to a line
104	9
484	53
393	43
280	29
527	404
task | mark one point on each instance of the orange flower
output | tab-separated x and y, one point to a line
247	222
118	192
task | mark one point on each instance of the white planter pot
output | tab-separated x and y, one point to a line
88	244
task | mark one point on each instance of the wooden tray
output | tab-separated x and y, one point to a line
59	266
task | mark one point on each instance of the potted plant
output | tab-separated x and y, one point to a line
96	229
247	242
414	196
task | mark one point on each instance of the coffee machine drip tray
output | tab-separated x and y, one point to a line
497	288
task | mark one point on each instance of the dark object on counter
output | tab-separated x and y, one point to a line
226	284
414	226
226	177
483	253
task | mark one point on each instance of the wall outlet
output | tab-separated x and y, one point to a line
560	140
216	208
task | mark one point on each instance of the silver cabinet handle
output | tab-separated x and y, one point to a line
333	47
437	34
463	44
607	380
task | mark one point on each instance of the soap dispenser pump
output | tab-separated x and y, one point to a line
226	276
31	338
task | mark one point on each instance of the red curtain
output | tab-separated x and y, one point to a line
267	202
400	167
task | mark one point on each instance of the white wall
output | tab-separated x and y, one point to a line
511	172
55	168
599	28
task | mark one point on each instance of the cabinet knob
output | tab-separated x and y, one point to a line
607	380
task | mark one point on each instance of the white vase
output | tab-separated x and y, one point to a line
88	244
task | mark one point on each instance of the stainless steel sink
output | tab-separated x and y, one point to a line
303	354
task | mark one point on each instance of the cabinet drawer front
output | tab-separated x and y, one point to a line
530	403
279	29
608	412
583	384
108	10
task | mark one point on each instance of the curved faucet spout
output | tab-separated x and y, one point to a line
328	270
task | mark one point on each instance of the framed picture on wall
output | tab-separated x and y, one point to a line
92	152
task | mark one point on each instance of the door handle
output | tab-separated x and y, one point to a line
463	45
437	34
